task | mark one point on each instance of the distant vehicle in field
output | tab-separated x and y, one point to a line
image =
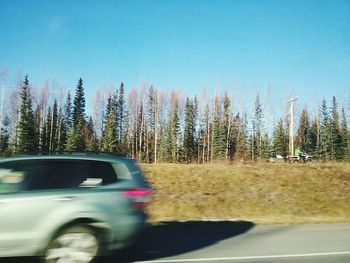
70	208
277	159
302	158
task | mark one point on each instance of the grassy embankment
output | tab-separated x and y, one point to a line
261	193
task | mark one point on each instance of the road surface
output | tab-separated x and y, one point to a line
242	242
237	242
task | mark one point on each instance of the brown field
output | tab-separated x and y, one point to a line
261	193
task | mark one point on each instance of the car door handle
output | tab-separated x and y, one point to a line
66	198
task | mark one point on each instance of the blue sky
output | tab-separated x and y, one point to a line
277	48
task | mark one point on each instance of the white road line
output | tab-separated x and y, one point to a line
246	258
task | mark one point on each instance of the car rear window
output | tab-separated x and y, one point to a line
54	174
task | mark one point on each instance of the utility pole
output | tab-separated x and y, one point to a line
291	126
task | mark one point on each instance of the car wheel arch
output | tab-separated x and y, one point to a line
95	225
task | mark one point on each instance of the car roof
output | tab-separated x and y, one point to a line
73	156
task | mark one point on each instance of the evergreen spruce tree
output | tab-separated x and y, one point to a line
335	135
281	139
79	103
218	136
91	142
304	131
141	132
345	136
166	145
195	119
314	147
257	133
115	110
242	151
170	135
76	140
127	136
121	112
107	111
189	144
200	139
118	106
325	133
66	124
27	135
38	120
60	128
207	149
228	127
109	140
5	137
266	148
218	140
68	113
152	122
175	129
54	127
46	131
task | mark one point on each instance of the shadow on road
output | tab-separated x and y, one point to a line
175	238
170	239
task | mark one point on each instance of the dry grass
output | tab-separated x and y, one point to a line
262	193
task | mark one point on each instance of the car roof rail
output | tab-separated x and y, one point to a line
70	152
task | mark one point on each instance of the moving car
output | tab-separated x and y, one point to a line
70	208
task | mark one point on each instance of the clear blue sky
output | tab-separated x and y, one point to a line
299	48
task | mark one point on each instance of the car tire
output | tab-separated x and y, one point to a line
77	244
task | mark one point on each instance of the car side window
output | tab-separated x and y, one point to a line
10	180
65	174
97	174
47	174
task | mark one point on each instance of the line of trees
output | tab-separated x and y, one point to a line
153	126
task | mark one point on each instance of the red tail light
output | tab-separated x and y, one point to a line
139	197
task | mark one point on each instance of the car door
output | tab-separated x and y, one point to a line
27	198
19	210
21	216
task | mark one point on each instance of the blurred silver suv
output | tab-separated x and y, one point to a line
70	208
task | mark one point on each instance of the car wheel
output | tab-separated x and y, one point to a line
78	244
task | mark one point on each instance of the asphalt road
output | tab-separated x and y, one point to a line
236	242
241	242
